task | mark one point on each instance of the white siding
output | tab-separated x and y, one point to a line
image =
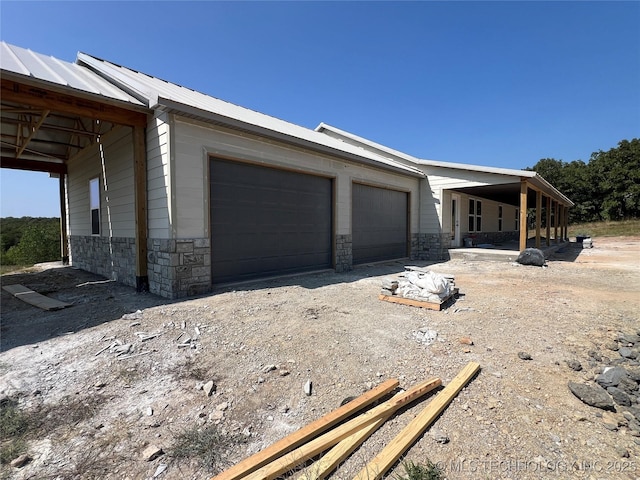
113	164
441	179
194	142
158	178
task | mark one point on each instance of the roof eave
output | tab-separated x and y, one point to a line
64	89
172	105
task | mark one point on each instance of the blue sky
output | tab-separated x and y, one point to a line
500	84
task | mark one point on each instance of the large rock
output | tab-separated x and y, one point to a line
531	256
593	395
619	396
611	377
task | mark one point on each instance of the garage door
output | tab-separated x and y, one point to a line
266	221
379	220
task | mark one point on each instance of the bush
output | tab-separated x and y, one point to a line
39	243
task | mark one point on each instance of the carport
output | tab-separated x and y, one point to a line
51	110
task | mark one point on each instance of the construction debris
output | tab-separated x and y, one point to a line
338	441
419	287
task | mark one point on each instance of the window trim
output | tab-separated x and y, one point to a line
475	215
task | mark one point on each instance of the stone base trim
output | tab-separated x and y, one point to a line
344	253
111	257
429	246
179	268
493	237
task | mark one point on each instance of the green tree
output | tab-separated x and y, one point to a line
616	175
39	243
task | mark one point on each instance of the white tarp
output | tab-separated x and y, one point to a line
425	286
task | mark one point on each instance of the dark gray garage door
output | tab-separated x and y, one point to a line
379	224
266	221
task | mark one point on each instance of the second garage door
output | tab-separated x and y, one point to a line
266	221
379	221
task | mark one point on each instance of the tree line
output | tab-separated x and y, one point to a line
607	187
29	240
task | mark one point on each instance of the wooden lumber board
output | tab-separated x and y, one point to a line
306	433
396	447
296	457
417	303
334	457
33	298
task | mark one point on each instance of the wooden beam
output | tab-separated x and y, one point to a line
334	457
538	216
396	447
548	221
40	97
64	247
306	433
34	130
523	215
555	222
318	445
140	186
33	165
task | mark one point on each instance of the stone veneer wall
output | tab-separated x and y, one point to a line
429	246
344	253
493	237
113	258
179	268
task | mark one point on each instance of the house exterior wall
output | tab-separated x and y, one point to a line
111	253
179	150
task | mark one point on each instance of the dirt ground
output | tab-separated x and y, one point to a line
100	389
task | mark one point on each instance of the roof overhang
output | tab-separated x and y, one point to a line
190	111
50	110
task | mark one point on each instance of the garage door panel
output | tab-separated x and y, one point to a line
379	220
266	221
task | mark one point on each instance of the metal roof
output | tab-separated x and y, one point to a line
533	177
158	93
26	63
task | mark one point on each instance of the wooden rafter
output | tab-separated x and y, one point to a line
33	129
22	94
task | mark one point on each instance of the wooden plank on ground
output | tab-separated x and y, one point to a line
396	447
33	298
306	433
334	457
291	460
416	303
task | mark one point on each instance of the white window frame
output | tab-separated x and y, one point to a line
475	215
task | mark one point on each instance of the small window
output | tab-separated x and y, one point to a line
517	224
475	215
499	218
94	202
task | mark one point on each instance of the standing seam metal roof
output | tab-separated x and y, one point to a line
22	61
154	91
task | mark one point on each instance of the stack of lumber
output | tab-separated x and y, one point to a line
391	291
336	438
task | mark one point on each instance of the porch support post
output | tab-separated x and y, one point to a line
538	216
548	208
555	222
523	215
64	245
140	185
566	223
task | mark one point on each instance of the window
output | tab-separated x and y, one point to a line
475	215
499	218
517	224
94	203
